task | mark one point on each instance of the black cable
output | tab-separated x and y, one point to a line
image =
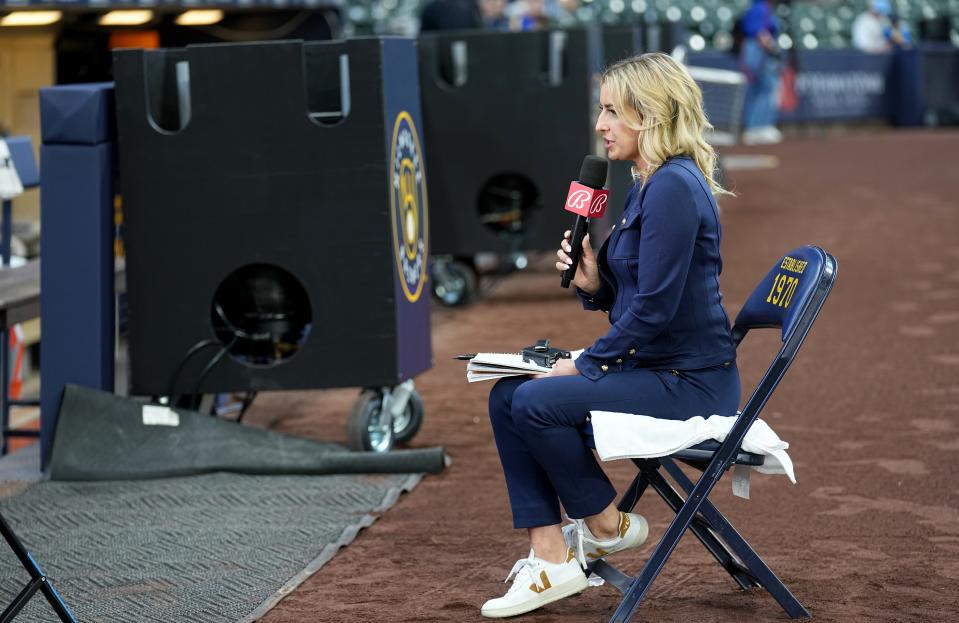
195	404
203	344
247	401
189	355
237	331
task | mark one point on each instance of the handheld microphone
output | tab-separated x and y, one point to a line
586	199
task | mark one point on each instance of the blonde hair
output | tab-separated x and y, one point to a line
654	94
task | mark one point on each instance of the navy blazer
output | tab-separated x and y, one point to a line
660	271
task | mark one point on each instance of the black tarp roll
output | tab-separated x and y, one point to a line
101	436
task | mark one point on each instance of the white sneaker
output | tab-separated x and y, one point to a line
772	134
536	584
766	135
754	136
633	531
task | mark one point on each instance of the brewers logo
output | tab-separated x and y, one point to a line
408	207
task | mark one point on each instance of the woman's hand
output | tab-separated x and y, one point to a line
587	273
562	367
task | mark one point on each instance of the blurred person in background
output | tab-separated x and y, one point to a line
530	15
897	33
869	28
567	7
759	59
563	12
668	352
494	14
450	15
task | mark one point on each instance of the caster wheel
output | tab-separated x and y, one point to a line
407	424
367	429
454	282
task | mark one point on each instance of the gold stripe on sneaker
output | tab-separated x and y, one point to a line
600	552
570	554
546	585
623	524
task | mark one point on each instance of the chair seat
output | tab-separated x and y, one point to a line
703	452
700	453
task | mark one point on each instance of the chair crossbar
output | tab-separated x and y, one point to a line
696	457
650	476
611	574
703	530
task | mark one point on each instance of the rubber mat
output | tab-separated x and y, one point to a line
101	436
207	549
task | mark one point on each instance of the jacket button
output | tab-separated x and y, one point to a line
632	351
623	222
604	368
619	361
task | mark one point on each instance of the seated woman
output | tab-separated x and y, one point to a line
668	353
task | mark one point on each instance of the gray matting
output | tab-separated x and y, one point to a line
212	548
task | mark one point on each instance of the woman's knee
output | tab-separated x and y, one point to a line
531	405
501	398
531	408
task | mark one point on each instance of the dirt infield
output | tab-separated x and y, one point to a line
871	410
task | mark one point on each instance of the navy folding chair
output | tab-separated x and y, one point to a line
789	298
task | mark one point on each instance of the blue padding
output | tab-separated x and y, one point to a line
21	151
905	99
76	276
832	85
77	114
776	301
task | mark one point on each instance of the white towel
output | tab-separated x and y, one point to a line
624	435
10	185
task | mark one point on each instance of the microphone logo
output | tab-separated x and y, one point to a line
586	201
598	206
578	200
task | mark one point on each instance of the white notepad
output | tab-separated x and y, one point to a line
491	366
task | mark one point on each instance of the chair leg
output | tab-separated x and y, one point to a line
649	471
703	531
635	490
758	568
38	581
640	585
684	517
696	497
56	602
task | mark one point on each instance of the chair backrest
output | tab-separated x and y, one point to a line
794	288
789	298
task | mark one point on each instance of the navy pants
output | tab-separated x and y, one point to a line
542	432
